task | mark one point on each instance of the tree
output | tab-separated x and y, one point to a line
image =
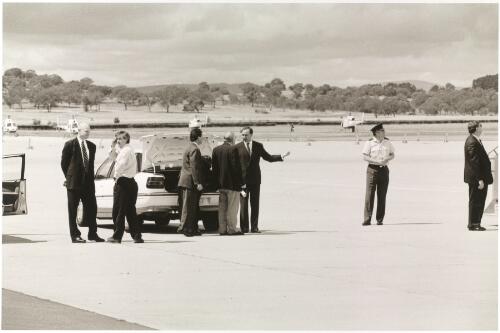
14	92
297	90
250	91
171	95
86	82
93	97
147	99
125	95
48	97
14	72
449	86
418	98
71	92
486	82
273	90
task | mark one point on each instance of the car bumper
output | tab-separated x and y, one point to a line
151	204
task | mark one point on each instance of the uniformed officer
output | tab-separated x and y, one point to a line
378	151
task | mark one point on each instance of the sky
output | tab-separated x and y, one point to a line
340	44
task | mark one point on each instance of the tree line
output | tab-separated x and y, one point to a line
48	91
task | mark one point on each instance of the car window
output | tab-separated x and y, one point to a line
12	167
103	171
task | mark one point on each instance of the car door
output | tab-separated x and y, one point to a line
13	185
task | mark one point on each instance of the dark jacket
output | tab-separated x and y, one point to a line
226	167
191	171
72	165
477	163
250	168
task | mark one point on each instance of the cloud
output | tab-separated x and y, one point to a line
139	44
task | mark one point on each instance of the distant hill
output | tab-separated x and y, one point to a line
425	85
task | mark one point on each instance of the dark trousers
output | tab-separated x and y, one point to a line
87	195
477	199
377	179
189	211
124	199
253	193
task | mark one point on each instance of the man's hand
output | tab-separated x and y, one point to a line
199	187
244	186
481	185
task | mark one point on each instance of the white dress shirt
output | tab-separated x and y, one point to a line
126	163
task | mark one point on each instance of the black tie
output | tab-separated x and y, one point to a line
248	147
85	157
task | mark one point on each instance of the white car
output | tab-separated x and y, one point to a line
158	167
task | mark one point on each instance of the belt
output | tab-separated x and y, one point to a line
375	166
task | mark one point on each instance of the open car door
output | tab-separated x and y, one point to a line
13	185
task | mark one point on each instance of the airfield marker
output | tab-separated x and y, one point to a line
29	143
405	140
446	137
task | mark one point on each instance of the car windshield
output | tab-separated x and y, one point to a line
166	150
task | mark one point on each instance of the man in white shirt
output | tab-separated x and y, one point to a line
125	191
378	151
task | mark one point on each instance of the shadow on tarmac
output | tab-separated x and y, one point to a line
9	239
413	223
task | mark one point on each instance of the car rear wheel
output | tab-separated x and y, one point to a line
210	221
162	220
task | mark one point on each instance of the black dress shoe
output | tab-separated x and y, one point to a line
96	239
477	228
237	233
244	231
188	234
138	240
366	223
78	239
223	234
112	240
255	231
380	223
197	233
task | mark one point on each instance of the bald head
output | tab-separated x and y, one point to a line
229	137
83	131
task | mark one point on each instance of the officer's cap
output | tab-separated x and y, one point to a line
377	127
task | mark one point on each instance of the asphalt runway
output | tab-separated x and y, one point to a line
313	267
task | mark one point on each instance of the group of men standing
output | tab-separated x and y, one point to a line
237	172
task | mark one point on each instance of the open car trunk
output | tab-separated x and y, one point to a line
162	154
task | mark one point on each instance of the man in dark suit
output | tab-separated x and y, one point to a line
227	171
249	153
190	184
77	164
477	174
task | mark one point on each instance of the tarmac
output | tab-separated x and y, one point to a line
314	267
